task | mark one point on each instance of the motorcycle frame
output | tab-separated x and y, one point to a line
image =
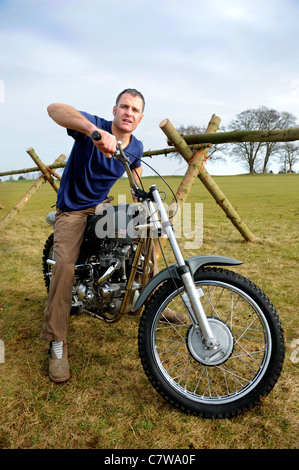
197	313
182	270
136	260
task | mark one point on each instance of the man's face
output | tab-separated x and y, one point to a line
128	113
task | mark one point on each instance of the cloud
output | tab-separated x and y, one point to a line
287	97
190	59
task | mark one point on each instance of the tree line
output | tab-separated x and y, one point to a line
256	156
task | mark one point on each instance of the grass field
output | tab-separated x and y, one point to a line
109	403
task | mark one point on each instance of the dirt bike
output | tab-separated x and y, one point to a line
230	350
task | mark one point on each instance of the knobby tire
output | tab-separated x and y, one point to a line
251	370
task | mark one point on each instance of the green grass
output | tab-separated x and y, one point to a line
109	402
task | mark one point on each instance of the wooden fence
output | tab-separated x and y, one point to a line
193	148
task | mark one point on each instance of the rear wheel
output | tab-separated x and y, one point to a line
48	254
213	383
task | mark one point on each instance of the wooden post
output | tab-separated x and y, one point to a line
195	165
43	168
19	206
275	135
32	170
181	145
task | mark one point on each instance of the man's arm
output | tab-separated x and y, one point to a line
68	117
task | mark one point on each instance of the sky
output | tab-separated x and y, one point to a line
189	58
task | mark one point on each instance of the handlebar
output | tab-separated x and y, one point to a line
120	155
96	135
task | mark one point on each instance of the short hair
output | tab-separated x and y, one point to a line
133	92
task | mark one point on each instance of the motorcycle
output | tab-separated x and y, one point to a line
229	350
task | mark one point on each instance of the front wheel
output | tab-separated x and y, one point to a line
229	380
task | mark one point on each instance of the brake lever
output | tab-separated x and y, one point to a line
97	136
119	155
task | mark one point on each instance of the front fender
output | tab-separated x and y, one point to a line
194	263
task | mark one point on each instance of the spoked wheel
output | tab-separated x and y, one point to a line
48	254
225	381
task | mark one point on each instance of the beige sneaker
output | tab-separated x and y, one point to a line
59	369
174	317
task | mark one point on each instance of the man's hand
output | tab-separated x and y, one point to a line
107	144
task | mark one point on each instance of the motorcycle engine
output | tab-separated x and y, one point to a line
100	283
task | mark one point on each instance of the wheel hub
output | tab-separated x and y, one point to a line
211	356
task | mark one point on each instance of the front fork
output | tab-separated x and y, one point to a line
197	313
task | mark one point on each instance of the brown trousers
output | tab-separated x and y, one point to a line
68	235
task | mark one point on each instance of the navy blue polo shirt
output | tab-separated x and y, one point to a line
89	175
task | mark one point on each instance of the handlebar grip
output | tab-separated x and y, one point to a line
96	135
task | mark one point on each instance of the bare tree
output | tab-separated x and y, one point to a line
289	157
215	151
256	155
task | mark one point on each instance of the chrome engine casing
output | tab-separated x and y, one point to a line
99	285
101	274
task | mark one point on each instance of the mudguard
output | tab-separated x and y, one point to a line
171	272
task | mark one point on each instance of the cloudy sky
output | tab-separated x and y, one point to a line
190	58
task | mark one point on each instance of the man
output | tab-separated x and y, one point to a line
88	176
87	179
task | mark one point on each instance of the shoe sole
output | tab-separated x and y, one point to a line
59	380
